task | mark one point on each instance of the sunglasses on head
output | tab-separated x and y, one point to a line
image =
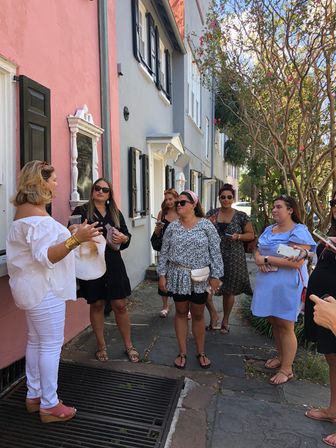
182	203
229	196
332	203
103	189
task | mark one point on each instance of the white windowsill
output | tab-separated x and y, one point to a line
145	72
139	221
164	98
194	124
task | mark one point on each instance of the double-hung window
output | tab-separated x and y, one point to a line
196	182
193	89
7	152
149	49
143	41
206	136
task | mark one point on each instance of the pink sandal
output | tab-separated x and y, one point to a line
58	413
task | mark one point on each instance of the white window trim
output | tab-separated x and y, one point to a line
8	145
82	122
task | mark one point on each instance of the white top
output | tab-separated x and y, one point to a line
31	272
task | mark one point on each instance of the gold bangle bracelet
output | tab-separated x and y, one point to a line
76	239
71	243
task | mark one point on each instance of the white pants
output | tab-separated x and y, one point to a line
45	339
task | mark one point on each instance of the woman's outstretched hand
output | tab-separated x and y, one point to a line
88	232
325	312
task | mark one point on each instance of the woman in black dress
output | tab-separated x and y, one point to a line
166	215
321	282
234	228
114	285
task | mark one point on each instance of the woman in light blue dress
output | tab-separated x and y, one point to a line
279	283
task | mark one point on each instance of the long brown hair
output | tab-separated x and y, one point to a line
290	203
164	208
32	184
110	204
198	208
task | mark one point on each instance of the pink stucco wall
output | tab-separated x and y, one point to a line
56	43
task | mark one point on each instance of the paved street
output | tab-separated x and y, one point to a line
222	407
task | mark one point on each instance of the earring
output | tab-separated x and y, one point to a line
108	202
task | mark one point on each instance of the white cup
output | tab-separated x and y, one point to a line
75	219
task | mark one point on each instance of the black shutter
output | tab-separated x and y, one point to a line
167	87
34	121
135	29
151	45
167	173
192	184
158	62
200	186
145	179
173	177
132	182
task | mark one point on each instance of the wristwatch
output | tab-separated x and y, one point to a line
265	260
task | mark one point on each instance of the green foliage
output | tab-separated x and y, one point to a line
245	186
274	67
308	365
234	153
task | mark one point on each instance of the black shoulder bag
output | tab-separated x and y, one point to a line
156	241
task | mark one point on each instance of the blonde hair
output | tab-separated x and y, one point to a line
32	184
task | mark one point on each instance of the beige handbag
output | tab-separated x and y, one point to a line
200	275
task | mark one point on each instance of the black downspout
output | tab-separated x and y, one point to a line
105	87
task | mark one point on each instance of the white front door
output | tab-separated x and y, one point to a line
157	187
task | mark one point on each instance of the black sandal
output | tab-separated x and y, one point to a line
183	358
203	355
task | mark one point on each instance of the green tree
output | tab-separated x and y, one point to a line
274	64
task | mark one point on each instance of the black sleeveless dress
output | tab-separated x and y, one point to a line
114	284
166	224
321	281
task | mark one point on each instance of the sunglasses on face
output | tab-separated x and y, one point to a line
332	203
229	196
182	203
103	189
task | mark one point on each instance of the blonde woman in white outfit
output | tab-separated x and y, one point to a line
42	277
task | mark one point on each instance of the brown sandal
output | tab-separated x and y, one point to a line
101	355
273	363
287	376
132	354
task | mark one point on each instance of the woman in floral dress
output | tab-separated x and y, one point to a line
190	243
234	228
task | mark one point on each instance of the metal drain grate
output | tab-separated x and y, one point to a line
115	409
